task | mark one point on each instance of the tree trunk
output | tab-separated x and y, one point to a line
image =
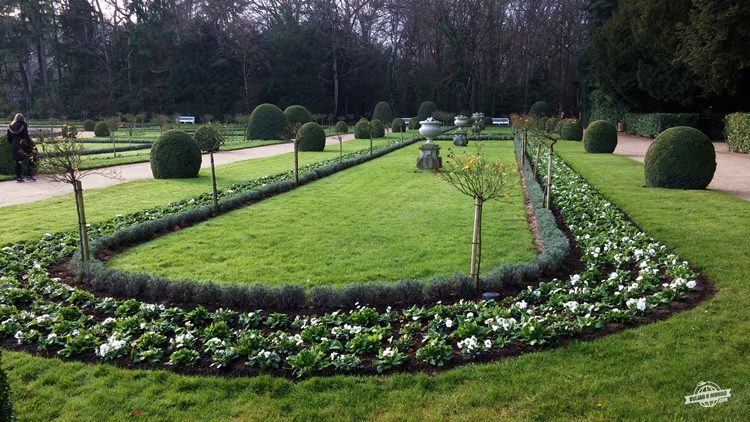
83	236
476	244
213	184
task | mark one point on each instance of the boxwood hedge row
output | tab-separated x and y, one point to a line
109	281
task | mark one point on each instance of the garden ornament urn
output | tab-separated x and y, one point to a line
478	123
460	139
429	157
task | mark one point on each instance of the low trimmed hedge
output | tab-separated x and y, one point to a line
737	132
110	281
652	124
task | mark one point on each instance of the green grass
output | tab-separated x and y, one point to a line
380	221
639	374
30	221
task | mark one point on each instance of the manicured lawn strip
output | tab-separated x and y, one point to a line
639	374
29	221
380	221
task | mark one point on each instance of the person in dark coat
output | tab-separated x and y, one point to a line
22	148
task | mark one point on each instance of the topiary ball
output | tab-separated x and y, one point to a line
425	110
571	130
600	137
297	114
266	122
362	130
208	138
341	127
175	155
541	109
89	125
397	125
378	129
382	112
311	137
101	129
680	158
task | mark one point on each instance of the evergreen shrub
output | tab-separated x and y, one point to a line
680	158
175	155
101	129
311	137
600	137
266	122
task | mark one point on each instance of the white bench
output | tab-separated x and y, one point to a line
186	119
501	121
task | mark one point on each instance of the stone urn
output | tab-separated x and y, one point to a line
430	128
459	139
429	156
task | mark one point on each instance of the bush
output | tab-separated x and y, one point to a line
571	130
397	125
175	155
68	130
267	122
341	128
737	132
311	137
7	165
652	124
414	123
208	138
444	117
600	137
541	123
680	158
541	109
553	124
89	125
378	129
6	409
362	130
101	129
297	114
382	112
425	110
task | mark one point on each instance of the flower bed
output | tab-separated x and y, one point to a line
628	277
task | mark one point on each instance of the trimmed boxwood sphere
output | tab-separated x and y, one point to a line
383	112
311	137
378	129
425	110
571	130
175	155
680	158
297	114
89	125
341	127
266	122
362	130
397	125
101	129
541	109
600	137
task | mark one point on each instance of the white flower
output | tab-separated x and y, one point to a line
691	284
522	304
448	323
388	352
487	344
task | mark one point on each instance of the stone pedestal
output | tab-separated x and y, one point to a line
459	139
429	158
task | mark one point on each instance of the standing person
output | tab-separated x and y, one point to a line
22	148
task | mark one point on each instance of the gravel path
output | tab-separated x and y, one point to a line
13	193
732	169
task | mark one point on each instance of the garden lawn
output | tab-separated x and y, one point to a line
379	221
30	221
639	374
